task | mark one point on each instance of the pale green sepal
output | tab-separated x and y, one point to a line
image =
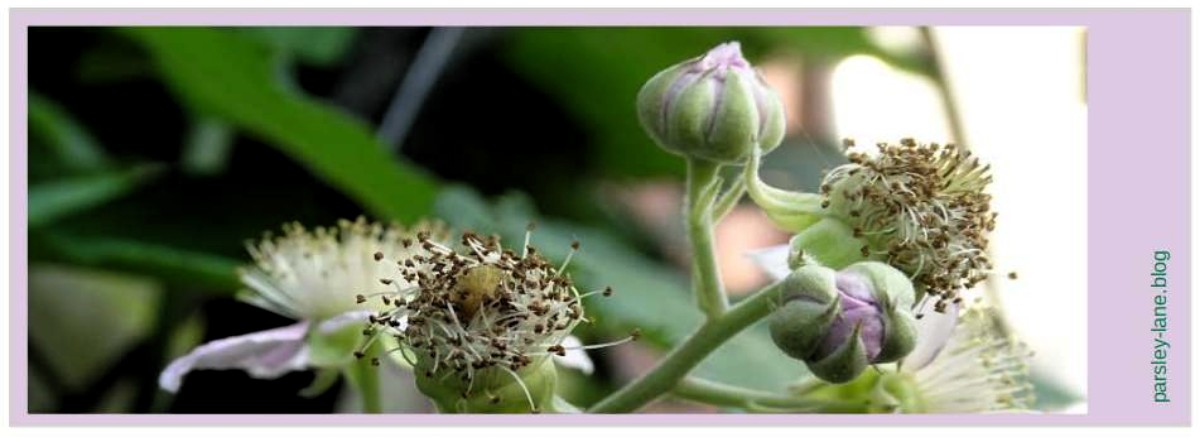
651	106
333	349
325	378
845	363
810	303
493	391
687	119
775	127
732	132
894	293
897	392
829	241
561	406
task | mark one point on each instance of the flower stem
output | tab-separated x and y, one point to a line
715	393
727	202
364	376
703	182
681	360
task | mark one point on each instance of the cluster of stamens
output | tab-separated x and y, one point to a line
305	274
922	208
981	369
477	310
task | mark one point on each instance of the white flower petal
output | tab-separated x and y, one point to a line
933	332
266	354
773	260
339	322
576	357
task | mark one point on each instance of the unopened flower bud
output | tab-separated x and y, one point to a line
716	107
838	322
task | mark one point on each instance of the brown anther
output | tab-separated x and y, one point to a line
379	256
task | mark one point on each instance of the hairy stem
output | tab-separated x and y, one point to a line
716	393
727	202
702	186
681	360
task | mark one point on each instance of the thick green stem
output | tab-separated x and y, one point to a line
702	186
715	393
671	369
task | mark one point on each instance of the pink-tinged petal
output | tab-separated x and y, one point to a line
933	332
773	260
266	354
576	357
339	322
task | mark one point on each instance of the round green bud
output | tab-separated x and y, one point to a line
839	322
715	107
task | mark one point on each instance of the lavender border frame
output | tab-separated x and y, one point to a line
1139	89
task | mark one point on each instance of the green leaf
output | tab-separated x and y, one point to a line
227	74
208	146
180	267
75	148
84	319
54	200
321	46
648	295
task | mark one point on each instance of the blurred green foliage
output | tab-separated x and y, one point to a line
223	73
71	144
597	72
322	46
240	82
